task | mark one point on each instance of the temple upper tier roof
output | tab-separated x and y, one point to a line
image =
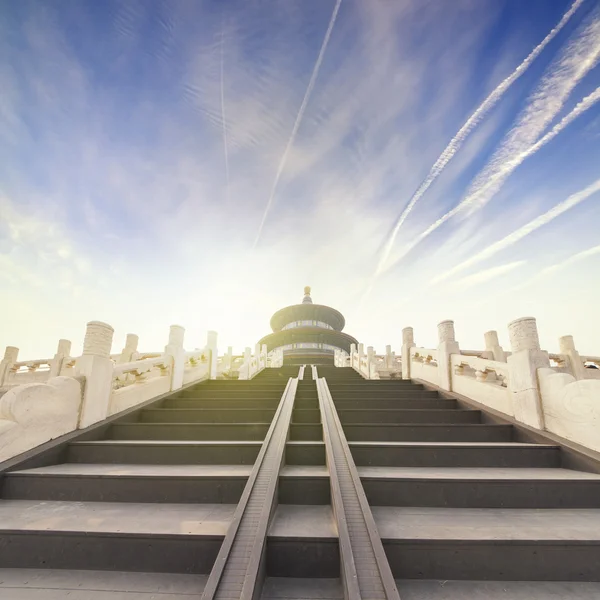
307	311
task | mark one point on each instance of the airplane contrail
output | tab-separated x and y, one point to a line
517	235
495	182
576	61
472	122
574	258
224	123
495	177
300	115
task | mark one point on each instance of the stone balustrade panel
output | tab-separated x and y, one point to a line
571	407
423	364
196	367
592	366
138	381
34	413
483	380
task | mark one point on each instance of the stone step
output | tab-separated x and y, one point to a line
419	432
233	394
56	584
304	484
371	394
120	536
214	484
479	543
286	588
60	584
343	380
414	589
454	543
164	452
303	542
207	415
225	403
189	431
306	415
306	431
129	483
414	415
460	487
405	403
455	454
304	453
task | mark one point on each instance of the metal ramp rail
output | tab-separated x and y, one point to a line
365	571
238	572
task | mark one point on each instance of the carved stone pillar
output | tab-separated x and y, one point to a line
408	342
572	358
63	351
11	355
447	345
493	349
129	352
175	350
523	363
97	368
213	353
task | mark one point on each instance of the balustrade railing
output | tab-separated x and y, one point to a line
79	391
557	392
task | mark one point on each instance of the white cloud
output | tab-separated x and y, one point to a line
572	201
486	275
472	122
575	62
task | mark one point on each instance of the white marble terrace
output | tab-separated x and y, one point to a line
45	398
558	393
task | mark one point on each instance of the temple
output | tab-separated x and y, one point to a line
308	467
308	333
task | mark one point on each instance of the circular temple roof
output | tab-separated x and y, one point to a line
308	335
308	312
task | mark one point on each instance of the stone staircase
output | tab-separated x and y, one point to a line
142	505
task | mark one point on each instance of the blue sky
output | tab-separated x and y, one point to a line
199	162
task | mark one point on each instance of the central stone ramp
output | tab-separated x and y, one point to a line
365	569
238	567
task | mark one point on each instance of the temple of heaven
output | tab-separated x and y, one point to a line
308	333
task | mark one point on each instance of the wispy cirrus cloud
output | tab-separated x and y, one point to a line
472	122
516	236
555	268
299	116
486	275
575	62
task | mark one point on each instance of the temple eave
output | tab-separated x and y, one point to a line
308	335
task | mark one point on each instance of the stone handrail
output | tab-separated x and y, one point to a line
483	380
141	369
590	364
424	355
484	370
423	364
102	384
370	365
563	399
145	355
138	381
13	372
557	392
